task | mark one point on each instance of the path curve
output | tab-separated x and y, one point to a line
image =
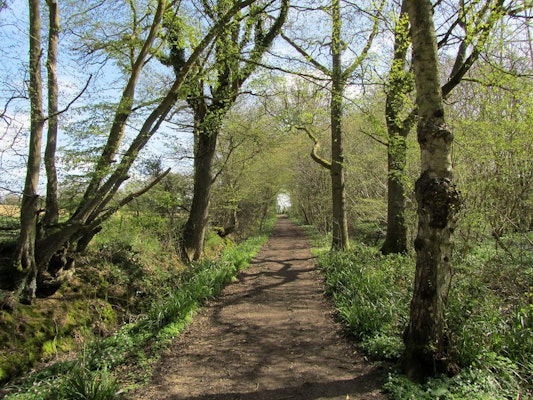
269	336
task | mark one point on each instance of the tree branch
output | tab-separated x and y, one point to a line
357	62
67	107
129	198
306	55
316	146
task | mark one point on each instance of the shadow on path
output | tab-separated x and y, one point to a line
270	335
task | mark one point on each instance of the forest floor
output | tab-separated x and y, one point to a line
270	335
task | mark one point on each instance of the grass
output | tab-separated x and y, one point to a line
165	303
490	316
371	293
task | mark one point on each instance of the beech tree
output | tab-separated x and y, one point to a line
39	244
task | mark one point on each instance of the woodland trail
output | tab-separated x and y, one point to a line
269	336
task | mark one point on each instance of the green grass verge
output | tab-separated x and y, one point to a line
490	317
138	344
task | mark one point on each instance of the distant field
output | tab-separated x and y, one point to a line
9	211
9	223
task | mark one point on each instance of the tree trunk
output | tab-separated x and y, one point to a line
231	73
426	352
396	237
51	216
338	190
399	86
25	257
204	154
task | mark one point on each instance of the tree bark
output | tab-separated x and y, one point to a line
25	258
396	236
340	238
426	352
51	216
399	86
204	154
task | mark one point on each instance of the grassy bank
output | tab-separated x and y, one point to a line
115	318
490	316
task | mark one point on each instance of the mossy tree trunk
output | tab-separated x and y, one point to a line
399	87
206	132
476	22
340	239
234	63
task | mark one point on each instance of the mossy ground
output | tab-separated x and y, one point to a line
109	289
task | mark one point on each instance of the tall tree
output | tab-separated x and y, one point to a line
234	62
399	87
438	202
25	261
471	24
99	200
339	77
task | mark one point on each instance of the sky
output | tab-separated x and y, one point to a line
73	76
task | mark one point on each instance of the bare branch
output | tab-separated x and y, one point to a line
67	107
306	55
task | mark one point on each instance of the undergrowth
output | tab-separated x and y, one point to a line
137	344
489	315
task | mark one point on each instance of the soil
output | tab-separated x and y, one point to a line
271	335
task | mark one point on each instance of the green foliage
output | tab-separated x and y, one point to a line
371	293
383	346
137	343
489	315
490	309
496	380
84	384
493	159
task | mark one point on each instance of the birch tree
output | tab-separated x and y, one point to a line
438	203
465	36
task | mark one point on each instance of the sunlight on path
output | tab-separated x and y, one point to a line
270	335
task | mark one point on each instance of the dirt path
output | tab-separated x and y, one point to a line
270	336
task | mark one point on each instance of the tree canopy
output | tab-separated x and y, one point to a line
200	113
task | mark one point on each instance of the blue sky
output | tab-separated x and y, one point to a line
106	85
